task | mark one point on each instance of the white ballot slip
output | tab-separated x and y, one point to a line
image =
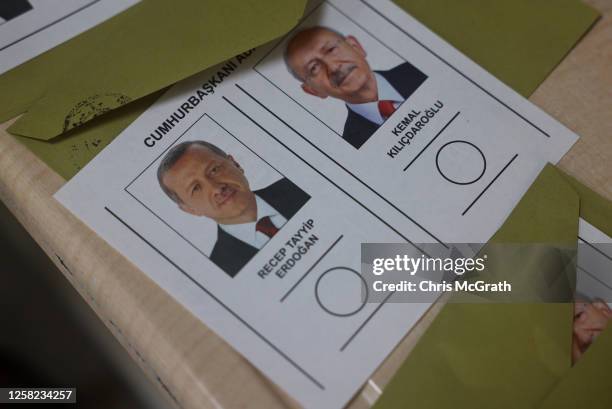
594	264
31	27
246	191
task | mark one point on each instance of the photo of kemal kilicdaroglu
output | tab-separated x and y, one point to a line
329	63
205	181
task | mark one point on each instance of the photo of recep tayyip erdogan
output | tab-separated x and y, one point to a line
205	181
331	64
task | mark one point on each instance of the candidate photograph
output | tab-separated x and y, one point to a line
328	63
206	182
591	318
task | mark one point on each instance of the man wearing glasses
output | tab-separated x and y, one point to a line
329	64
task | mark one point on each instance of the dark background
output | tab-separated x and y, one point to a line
49	336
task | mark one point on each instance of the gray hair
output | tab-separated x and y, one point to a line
294	36
173	156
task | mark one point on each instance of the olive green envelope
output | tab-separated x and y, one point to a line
519	41
149	46
512	355
587	385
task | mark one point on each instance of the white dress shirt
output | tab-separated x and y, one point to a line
246	231
369	110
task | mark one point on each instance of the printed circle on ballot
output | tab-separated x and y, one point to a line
339	291
461	162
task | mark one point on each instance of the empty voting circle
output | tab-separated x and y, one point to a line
339	291
461	162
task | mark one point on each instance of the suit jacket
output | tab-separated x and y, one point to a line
230	253
405	78
9	9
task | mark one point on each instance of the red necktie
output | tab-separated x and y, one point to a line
265	226
386	108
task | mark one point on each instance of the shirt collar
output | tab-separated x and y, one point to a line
246	231
369	110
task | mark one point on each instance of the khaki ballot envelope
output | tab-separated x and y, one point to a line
516	354
72	93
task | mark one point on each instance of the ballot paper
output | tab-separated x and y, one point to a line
247	190
594	264
31	27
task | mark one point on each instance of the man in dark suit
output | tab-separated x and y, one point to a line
330	64
203	180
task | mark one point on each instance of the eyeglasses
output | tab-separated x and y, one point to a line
315	66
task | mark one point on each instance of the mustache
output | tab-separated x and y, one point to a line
339	75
